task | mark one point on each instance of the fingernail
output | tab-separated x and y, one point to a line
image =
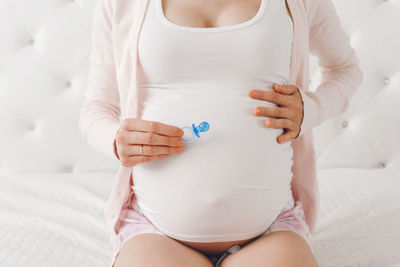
255	93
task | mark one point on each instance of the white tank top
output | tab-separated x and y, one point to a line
233	181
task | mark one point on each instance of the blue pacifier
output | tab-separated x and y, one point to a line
203	127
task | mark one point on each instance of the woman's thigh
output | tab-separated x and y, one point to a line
154	250
279	248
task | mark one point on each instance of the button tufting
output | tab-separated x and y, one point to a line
382	164
69	169
32	126
386	80
68	84
345	124
31	41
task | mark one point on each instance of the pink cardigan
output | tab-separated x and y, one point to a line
112	90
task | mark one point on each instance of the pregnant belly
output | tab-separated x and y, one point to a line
229	184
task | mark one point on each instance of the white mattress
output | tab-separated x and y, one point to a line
57	219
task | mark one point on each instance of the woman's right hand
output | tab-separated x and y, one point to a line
158	140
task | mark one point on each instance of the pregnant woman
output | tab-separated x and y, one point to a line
225	199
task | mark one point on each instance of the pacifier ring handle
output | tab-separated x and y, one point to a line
195	130
192	138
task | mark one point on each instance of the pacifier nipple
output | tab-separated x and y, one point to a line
191	132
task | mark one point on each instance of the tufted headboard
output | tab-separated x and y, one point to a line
367	134
44	52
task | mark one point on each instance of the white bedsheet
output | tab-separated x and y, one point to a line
57	219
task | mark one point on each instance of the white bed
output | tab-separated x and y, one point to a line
49	219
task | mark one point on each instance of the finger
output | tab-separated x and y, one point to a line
289	135
285	89
270	96
134	124
276	112
144	138
149	150
159	150
279	123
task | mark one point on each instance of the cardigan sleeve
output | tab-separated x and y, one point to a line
341	74
99	115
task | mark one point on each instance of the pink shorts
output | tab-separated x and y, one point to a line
135	222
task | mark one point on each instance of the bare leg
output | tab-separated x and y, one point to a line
279	248
154	250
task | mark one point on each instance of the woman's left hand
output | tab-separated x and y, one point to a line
289	112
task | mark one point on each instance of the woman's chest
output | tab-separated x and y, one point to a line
210	13
257	50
